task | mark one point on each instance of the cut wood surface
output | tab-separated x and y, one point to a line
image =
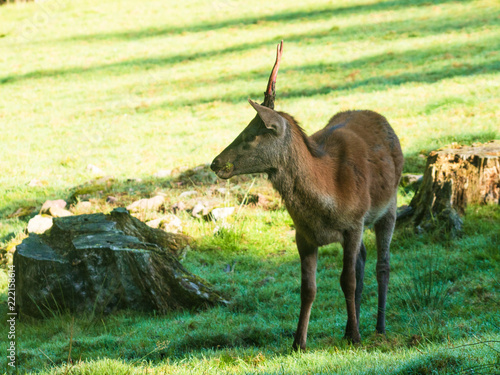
456	176
102	263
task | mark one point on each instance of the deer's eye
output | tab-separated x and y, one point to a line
248	138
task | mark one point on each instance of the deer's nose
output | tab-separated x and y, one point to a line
215	166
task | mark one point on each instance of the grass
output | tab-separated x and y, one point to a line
138	88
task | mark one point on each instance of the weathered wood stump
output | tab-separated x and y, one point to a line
454	177
102	263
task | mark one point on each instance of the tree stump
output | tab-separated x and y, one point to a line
455	177
102	263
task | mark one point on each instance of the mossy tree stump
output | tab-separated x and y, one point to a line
455	177
102	263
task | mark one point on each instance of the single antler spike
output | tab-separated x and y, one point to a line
270	93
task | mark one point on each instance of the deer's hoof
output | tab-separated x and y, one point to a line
296	347
353	338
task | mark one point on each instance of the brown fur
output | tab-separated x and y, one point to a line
333	183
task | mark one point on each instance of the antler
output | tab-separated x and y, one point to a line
270	93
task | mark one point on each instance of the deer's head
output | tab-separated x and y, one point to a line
257	148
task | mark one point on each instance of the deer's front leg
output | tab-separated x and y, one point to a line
308	261
352	243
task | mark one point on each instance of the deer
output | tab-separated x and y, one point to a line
334	183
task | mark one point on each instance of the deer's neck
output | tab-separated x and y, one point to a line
302	178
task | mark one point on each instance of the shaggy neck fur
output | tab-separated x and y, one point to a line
300	177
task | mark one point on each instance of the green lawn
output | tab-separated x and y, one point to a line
138	87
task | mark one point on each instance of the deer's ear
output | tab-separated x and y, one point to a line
272	119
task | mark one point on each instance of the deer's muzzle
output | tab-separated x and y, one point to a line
221	169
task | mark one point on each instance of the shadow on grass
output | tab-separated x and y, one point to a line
422	66
267	318
285	17
386	30
201	177
99	189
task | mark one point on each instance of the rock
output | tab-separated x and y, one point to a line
169	223
163	173
154	223
37	183
94	169
188	194
199	210
262	200
179	206
58	212
110	199
151	204
39	224
59	203
97	264
82	207
218	214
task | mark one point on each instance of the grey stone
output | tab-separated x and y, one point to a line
111	199
83	206
58	212
151	204
221	213
163	173
199	210
95	170
188	194
179	206
39	224
37	183
169	223
155	223
59	203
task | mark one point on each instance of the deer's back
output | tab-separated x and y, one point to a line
368	159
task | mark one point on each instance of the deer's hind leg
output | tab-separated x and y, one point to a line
384	229
360	275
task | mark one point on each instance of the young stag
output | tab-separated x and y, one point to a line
334	183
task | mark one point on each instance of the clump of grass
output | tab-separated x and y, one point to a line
425	285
